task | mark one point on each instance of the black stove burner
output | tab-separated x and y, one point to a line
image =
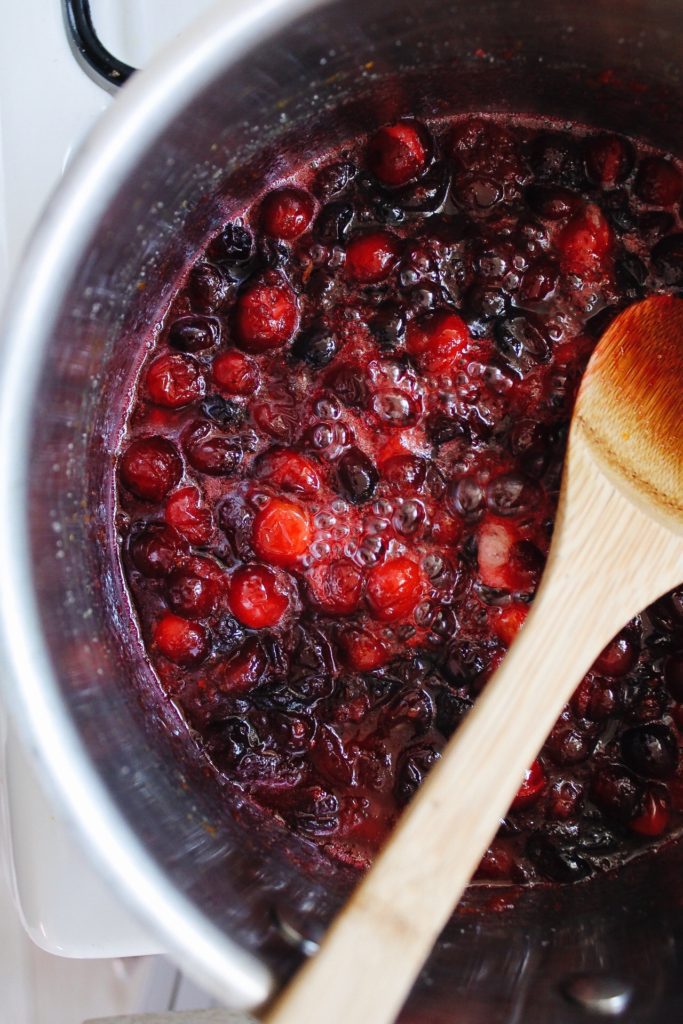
99	63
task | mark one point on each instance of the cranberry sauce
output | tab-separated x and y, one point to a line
340	472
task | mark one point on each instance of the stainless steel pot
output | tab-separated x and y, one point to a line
236	102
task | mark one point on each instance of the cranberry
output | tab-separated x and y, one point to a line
370	258
659	182
244	669
316	346
258	597
398	152
266	314
586	241
357	476
194	333
496	539
509	622
618	657
564	800
286	213
234	244
208	288
650	750
185	643
334	222
555	862
411	770
405	472
189	516
222	411
195	590
616	792
281	532
150	468
364	651
555	157
655	813
394	589
436	341
290	471
608	158
348	384
673	675
336	588
553	203
235	374
212	453
532	786
667	257
155	549
333	178
174	380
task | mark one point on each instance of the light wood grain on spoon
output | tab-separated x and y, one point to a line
617	546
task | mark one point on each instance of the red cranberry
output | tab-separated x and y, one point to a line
150	468
357	476
277	419
194	590
398	152
187	514
370	258
405	472
394	589
289	470
619	657
552	203
337	588
208	288
564	800
650	750
586	241
185	643
286	213
244	670
257	597
194	333
659	182
532	787
210	452
654	815
436	341
235	374
266	314
363	650
155	550
281	532
496	865
673	675
174	380
609	159
509	622
539	281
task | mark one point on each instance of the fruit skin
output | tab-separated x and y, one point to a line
586	242
532	787
286	213
188	516
281	532
174	380
258	597
358	477
235	373
290	470
398	152
436	341
155	550
336	588
150	467
183	642
371	257
266	314
363	651
394	589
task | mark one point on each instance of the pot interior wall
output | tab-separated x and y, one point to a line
343	69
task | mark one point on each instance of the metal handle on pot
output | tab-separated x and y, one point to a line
95	59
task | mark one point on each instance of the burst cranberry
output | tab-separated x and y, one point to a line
370	258
211	452
586	242
654	815
336	588
364	651
244	670
532	787
266	314
188	515
281	532
618	657
357	476
406	472
398	152
174	380
258	597
436	341
194	333
608	158
394	589
194	590
155	549
185	643
290	471
505	561
286	213
509	621
659	182
235	374
150	468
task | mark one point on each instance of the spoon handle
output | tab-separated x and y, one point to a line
608	560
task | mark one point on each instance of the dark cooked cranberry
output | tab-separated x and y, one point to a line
552	202
619	656
667	257
426	195
567	745
538	282
334	222
316	812
673	675
650	750
235	374
281	532
405	472
658	182
258	597
466	496
442	429
194	591
387	211
608	158
188	515
411	770
333	178
485	303
630	273
556	862
222	411
286	213
155	549
450	711
465	663
555	157
521	342
209	290
617	206
194	333
398	152
244	669
336	588
395	408
316	346
371	257
349	385
511	494
653	224
476	193
388	326
564	800
266	314
357	475
185	643
616	792
234	244
210	452
150	467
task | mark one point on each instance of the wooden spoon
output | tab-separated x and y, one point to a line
617	546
